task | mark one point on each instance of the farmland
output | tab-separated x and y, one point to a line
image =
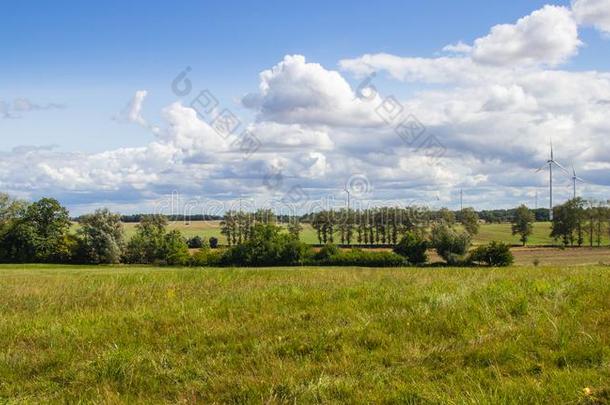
487	233
140	334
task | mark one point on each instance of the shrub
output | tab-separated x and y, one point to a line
196	242
495	254
327	251
205	258
213	242
413	248
449	244
357	257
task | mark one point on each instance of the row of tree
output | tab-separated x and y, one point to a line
579	221
575	222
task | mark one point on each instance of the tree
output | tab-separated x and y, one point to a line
413	248
175	250
101	237
146	246
267	246
48	224
470	220
213	242
449	244
567	221
10	210
294	228
14	242
446	216
523	223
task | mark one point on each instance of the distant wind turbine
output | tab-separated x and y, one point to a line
575	178
550	164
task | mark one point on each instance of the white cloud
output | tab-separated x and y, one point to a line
547	36
295	91
459	47
496	107
594	13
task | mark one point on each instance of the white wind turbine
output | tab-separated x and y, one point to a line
550	164
575	178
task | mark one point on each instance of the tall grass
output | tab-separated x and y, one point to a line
516	335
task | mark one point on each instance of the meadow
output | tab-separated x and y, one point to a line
304	335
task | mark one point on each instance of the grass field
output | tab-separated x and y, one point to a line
305	335
488	232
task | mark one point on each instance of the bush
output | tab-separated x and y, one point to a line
449	244
196	242
213	242
207	258
413	248
327	251
357	257
495	254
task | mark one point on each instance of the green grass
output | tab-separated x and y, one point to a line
304	335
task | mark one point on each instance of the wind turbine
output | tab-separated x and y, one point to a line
348	195
575	178
550	163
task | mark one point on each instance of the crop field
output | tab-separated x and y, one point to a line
487	233
305	335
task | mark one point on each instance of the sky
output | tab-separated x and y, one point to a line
203	105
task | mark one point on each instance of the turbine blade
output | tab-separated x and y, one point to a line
561	167
542	168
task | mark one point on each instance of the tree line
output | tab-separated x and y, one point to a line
41	231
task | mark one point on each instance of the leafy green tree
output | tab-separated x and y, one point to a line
523	223
17	244
413	247
146	246
567	222
469	220
101	237
449	244
267	246
14	242
446	216
48	223
295	228
175	250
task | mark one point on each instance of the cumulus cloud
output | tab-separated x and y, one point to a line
595	13
297	91
547	36
496	107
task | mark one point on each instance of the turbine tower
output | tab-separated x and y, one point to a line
550	164
575	178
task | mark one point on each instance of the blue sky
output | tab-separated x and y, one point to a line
91	58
